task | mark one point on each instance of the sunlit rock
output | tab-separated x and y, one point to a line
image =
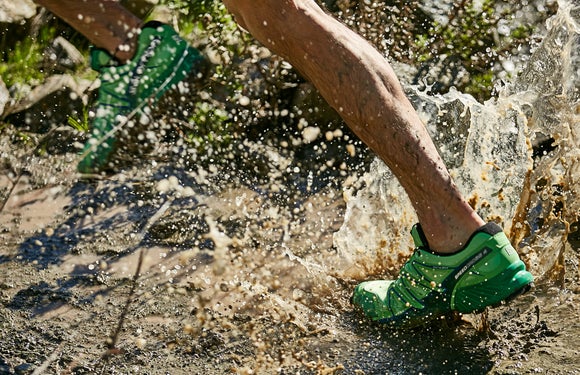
15	11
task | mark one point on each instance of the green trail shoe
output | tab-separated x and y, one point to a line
162	60
487	271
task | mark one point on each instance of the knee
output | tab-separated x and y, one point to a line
254	15
239	9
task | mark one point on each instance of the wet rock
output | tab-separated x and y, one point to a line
49	104
16	11
438	10
62	56
62	140
23	369
4	368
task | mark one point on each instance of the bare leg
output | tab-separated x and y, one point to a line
360	84
105	23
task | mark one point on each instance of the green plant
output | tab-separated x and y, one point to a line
211	126
469	42
207	19
209	26
466	48
23	48
21	62
81	125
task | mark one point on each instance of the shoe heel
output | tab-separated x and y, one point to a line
510	283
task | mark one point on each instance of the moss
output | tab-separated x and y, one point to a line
22	60
23	49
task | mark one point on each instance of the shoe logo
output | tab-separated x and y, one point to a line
472	261
509	250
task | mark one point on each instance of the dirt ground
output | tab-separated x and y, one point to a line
224	280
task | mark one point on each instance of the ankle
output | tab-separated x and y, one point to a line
447	237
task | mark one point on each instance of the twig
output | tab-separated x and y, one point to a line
114	337
14	184
53	357
20	172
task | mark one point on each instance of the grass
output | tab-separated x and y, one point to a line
82	125
22	61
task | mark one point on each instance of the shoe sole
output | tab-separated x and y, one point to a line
523	290
515	294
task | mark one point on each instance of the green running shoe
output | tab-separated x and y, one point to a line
485	272
162	60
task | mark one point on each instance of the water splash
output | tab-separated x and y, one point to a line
515	158
550	205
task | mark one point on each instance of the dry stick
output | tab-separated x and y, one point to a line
14	184
114	337
20	173
53	357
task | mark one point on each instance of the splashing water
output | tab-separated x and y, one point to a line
515	158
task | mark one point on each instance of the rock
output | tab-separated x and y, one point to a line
50	103
62	55
16	11
61	140
4	368
437	9
23	369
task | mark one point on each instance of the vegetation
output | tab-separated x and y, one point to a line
22	60
208	126
464	51
24	50
467	47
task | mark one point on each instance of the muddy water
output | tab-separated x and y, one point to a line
207	276
515	157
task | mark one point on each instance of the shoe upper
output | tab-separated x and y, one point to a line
486	271
162	59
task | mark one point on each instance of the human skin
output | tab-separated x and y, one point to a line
359	83
105	23
350	74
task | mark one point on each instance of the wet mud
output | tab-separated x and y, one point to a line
113	276
179	266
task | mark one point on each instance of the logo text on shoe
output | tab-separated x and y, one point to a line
472	261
